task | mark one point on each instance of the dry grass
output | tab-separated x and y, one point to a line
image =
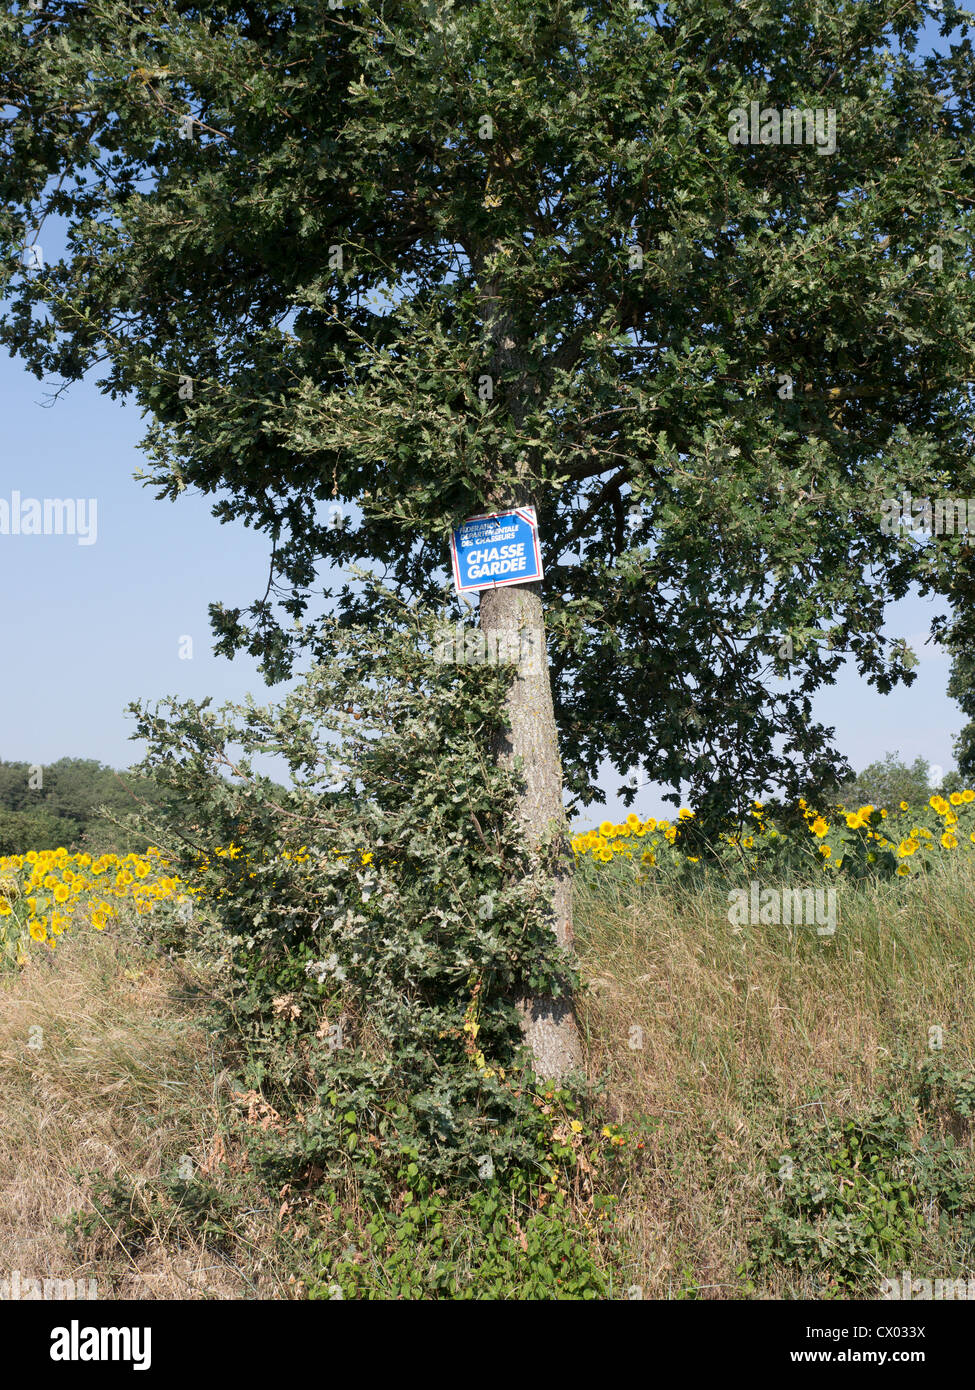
740	1029
740	1026
123	1082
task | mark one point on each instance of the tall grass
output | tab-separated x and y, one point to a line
745	1028
708	1043
106	1072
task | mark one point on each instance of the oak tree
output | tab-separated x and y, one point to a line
694	280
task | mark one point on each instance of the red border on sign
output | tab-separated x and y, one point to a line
527	514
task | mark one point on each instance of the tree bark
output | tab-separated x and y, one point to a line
512	617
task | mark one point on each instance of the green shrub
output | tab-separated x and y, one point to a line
131	1214
378	919
854	1199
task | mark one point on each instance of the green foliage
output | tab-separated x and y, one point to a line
80	803
486	1246
946	1092
378	919
636	288
855	1199
24	830
134	1214
888	782
961	681
483	1249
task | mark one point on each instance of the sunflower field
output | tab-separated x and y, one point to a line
865	842
46	893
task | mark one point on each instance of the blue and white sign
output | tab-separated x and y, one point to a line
500	548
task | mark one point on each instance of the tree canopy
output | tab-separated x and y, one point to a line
63	803
889	781
375	268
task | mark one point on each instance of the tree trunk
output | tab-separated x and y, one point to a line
508	613
548	1023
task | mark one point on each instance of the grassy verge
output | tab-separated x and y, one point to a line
795	1110
107	1078
747	1037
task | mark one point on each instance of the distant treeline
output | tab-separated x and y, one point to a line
61	803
